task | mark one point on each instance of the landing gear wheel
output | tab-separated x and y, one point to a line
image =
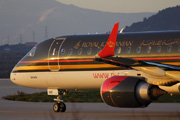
59	107
62	107
56	107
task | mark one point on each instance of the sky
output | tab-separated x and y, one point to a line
124	6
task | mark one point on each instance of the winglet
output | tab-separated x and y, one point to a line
108	50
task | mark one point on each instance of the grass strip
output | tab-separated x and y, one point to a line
79	96
72	96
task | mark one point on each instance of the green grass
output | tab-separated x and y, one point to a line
175	98
79	96
72	96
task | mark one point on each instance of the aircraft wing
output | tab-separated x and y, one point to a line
133	63
151	68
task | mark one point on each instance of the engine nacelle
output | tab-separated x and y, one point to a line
129	91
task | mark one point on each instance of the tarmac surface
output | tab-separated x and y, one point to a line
13	110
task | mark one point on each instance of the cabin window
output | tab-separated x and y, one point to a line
179	49
159	49
62	51
138	50
89	52
70	52
128	49
32	52
98	50
148	50
80	51
118	50
169	49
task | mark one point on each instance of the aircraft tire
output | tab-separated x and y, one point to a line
59	107
56	107
62	107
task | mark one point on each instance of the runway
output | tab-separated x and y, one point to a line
79	111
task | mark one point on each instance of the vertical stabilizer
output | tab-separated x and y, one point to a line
108	50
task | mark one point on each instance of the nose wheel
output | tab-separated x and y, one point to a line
59	106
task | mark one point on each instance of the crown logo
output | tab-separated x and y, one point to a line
110	44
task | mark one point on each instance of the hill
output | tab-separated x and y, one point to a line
19	18
167	19
9	56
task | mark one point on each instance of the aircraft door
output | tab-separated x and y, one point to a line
53	54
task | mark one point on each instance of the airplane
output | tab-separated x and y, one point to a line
131	69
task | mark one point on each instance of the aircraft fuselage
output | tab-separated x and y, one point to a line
66	62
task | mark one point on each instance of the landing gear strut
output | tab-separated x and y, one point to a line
59	106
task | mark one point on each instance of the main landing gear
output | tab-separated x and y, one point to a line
59	106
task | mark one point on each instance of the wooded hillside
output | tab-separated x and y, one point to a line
167	19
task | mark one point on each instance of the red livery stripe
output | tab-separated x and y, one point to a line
52	61
90	60
87	60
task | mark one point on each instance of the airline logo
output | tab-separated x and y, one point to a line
111	44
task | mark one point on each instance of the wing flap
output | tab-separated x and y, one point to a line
156	71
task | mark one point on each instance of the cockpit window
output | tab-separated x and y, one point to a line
32	52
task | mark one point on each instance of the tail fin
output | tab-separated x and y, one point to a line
108	50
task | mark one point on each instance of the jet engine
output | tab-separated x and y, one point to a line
129	92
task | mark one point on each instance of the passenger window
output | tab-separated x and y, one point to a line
159	49
118	50
148	49
62	51
128	49
138	50
98	50
70	52
169	48
179	49
80	51
89	51
32	52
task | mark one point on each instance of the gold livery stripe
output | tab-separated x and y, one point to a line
64	67
31	68
172	63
